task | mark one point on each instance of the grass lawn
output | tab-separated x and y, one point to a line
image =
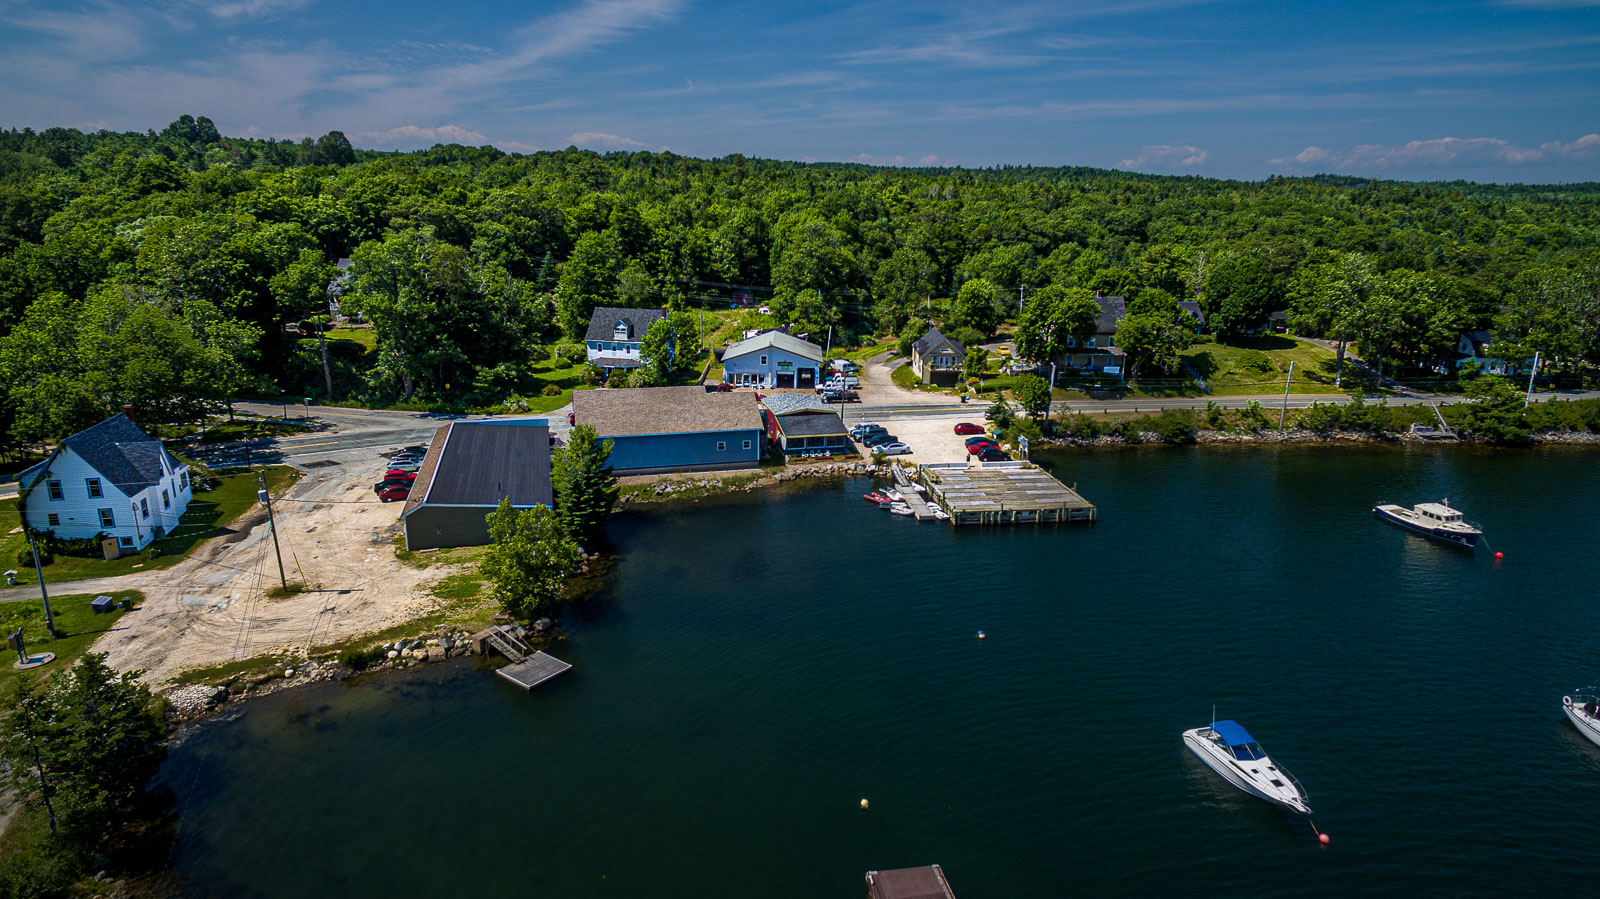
79	625
906	377
861	354
1225	369
208	515
363	336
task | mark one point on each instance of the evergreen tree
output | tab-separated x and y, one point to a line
529	560
584	486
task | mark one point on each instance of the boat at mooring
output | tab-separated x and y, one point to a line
1583	711
1436	520
1228	749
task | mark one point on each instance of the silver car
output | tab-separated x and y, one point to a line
892	449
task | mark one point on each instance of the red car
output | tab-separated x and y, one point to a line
399	475
978	449
968	427
394	491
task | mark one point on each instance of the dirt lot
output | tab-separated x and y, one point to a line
213	607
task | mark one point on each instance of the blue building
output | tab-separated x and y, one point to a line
773	359
658	429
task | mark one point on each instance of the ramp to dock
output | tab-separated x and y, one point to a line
919	506
534	670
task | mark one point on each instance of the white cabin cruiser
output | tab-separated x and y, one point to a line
1584	713
1230	751
1435	520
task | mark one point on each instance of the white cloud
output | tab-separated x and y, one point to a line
1167	156
1446	152
411	136
899	160
607	141
1551	4
254	9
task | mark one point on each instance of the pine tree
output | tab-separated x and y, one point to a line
584	486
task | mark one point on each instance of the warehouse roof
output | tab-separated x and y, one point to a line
633	411
479	463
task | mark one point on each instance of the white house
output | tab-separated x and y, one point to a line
773	359
1475	347
615	336
112	479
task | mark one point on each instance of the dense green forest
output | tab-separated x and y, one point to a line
175	270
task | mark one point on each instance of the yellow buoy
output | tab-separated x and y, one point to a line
863	805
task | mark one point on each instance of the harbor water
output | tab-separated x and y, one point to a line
756	665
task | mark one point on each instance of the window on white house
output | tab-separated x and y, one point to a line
108	518
144	507
94	488
747	444
125	541
166	503
55	491
54	520
186	479
721	445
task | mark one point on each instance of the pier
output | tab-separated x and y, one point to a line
534	670
1002	493
919	506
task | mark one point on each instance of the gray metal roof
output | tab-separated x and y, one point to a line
785	403
479	463
123	454
774	339
812	424
603	322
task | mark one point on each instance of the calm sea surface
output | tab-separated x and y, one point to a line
757	665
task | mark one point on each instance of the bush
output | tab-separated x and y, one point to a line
1081	427
573	352
594	376
357	659
1253	416
1256	362
1215	416
550	390
1122	427
25	558
1174	426
969	337
149	552
1000	413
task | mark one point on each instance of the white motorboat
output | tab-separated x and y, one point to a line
1436	520
1584	713
900	509
1228	749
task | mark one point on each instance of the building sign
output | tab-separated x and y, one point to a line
1112	369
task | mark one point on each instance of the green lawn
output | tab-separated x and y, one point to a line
78	624
363	336
208	515
1226	369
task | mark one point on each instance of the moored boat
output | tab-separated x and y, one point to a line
1436	520
1584	712
1228	749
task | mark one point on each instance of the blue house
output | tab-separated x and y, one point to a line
773	359
659	429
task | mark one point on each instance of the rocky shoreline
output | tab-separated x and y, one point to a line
696	487
1305	436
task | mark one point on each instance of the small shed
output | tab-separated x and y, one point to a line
801	424
909	883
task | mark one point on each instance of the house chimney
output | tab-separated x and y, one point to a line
127	409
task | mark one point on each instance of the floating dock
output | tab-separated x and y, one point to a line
909	883
534	670
919	506
1002	493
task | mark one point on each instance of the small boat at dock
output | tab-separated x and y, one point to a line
1436	520
1583	711
1228	749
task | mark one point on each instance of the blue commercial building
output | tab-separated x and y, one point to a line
773	359
660	429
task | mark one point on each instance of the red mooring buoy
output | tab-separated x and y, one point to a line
1322	838
1499	555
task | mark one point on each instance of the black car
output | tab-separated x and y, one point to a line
831	395
877	437
994	455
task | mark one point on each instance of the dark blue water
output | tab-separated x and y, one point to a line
757	666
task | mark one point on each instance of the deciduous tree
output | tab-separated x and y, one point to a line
529	559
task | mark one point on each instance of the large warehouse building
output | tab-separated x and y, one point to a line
657	429
469	468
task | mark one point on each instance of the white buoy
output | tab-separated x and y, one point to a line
980	635
863	805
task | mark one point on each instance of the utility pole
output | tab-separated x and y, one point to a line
1286	382
1022	293
1050	407
266	497
1531	375
49	621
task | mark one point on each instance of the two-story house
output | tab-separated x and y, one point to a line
1475	348
773	359
615	335
1100	352
111	480
937	359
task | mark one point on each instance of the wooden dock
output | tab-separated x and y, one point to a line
534	670
1002	493
909	883
919	506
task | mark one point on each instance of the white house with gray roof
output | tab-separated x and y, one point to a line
111	480
616	335
773	359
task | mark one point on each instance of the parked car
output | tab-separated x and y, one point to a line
856	429
878	438
895	448
982	438
968	427
393	492
399	474
978	449
994	455
842	381
830	395
417	450
407	465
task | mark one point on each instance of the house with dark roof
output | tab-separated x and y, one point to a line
937	359
800	424
1192	308
1100	353
470	467
658	429
1474	348
615	336
111	481
773	359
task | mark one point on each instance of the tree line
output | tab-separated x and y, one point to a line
206	260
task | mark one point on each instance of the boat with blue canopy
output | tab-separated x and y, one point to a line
1228	749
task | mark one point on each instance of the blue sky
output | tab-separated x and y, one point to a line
1490	90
